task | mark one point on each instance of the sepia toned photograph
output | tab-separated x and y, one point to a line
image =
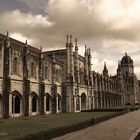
69	69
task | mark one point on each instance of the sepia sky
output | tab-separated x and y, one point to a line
108	27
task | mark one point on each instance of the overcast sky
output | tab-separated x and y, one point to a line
108	27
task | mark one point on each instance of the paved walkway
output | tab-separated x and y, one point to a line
123	127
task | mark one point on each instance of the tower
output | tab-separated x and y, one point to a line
76	62
129	79
86	65
70	62
127	66
105	71
6	77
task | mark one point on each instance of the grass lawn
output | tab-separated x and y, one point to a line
20	127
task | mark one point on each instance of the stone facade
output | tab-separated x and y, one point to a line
33	82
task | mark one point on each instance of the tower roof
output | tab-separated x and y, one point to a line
105	68
105	71
126	60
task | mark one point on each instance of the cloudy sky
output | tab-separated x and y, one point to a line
108	27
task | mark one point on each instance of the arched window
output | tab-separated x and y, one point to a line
83	101
15	65
16	103
34	104
46	72
48	102
33	70
59	102
81	73
58	76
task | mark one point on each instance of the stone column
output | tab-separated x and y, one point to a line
26	92
70	97
30	105
41	83
41	98
54	102
6	78
26	82
10	103
80	102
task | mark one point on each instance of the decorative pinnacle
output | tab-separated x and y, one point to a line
7	33
75	41
67	39
85	47
70	38
89	51
85	50
105	68
26	42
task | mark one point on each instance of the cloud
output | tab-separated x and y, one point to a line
36	6
108	27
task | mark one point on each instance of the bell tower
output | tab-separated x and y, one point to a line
127	66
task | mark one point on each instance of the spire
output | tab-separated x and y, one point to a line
70	38
119	68
75	41
76	46
105	71
67	40
85	50
7	40
89	53
105	68
41	52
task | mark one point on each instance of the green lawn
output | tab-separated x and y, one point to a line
20	127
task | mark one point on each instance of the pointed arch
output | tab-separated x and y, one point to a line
59	100
34	102
83	101
48	102
16	103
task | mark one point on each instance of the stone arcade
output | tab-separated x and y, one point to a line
34	82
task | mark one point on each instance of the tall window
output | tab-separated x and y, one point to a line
46	72
81	73
33	70
48	102
34	104
15	66
59	102
16	100
58	76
